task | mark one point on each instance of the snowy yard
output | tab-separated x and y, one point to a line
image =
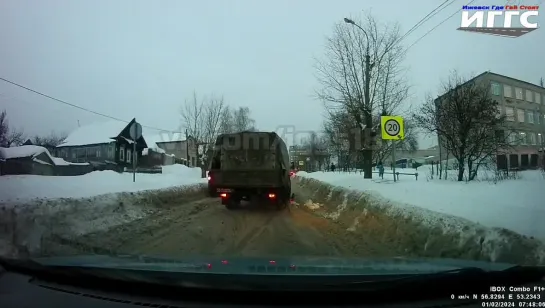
517	205
21	188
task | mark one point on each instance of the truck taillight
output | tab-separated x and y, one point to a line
209	178
272	196
224	195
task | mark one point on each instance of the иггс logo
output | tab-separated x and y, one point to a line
500	19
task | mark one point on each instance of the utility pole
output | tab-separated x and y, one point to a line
367	117
186	148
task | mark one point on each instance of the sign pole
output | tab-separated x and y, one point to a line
394	159
135	132
392	128
134	161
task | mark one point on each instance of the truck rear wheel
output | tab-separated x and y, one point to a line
231	204
283	201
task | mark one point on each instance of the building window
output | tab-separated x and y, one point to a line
539	139
522	138
507	91
520	115
532	138
530	117
496	88
529	96
509	114
537	98
518	93
512	138
98	152
537	117
129	156
121	153
498	115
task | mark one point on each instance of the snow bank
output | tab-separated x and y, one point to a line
421	232
16	189
24	229
512	204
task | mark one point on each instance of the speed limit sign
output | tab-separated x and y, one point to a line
392	128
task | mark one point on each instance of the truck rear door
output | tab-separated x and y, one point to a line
249	168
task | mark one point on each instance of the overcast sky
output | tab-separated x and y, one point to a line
129	58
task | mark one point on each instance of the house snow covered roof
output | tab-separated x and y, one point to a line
32	151
152	140
94	133
22	151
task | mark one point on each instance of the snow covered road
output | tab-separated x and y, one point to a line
205	227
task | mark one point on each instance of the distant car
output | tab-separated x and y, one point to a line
293	172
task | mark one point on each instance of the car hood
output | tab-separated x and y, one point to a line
282	266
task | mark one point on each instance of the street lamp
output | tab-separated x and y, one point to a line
368	155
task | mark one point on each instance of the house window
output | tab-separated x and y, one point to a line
507	91
509	114
121	153
518	93
530	117
129	156
496	88
537	98
111	151
529	96
520	115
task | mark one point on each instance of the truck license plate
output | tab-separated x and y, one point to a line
224	190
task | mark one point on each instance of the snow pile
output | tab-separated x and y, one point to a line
25	228
511	204
421	232
22	188
36	207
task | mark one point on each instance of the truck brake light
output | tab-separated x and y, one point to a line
272	196
224	195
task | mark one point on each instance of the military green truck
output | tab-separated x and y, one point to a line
251	166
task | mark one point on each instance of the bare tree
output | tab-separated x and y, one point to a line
9	136
201	121
468	122
242	120
226	121
316	145
236	120
52	140
353	77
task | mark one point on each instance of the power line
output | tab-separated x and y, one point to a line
437	26
425	18
78	107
